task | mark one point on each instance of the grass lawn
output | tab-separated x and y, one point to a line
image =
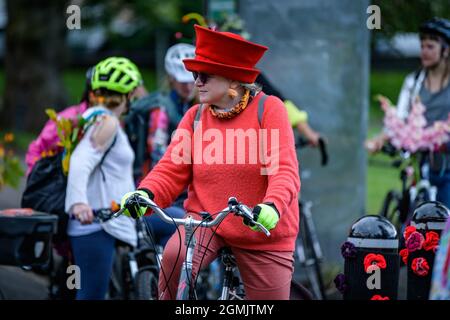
380	176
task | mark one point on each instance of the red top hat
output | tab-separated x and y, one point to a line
225	54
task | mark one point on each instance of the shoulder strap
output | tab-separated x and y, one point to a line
197	117
419	78
104	156
262	100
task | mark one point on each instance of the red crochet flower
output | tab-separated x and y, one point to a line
374	259
404	254
420	266
408	231
431	241
378	297
415	241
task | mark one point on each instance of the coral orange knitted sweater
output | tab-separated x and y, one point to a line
227	157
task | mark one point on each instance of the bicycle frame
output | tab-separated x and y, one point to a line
411	193
230	265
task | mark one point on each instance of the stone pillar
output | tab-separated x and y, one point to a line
319	58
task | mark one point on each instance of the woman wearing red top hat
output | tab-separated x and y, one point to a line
221	161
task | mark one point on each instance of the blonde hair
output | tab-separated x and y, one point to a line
254	88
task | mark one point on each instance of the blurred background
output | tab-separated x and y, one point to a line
340	65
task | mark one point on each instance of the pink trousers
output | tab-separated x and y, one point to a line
266	275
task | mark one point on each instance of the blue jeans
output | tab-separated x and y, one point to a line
93	254
162	231
443	185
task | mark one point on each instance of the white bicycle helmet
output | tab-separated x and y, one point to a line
174	61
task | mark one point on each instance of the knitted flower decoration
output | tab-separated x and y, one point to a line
408	231
431	241
404	254
378	297
420	266
340	283
374	259
415	241
348	250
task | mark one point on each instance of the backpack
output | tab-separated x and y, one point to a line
45	189
137	123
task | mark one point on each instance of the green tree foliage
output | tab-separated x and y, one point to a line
141	20
407	15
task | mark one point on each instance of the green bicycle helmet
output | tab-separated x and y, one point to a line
116	74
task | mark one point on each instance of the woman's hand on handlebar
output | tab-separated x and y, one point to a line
266	215
131	205
83	213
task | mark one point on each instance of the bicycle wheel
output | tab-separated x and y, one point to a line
391	208
299	292
308	252
146	285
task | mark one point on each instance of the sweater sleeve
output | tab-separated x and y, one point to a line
83	162
281	163
173	173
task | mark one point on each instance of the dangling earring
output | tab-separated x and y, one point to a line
232	93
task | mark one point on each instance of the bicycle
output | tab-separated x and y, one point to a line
398	206
308	251
186	288
136	269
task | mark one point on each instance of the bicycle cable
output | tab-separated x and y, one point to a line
207	245
204	253
187	247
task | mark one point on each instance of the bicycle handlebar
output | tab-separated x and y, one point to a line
233	207
100	215
302	142
391	151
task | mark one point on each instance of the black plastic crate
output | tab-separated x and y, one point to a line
25	237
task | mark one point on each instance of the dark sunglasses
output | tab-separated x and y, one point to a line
204	77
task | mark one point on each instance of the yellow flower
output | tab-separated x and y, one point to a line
51	114
2	152
65	164
9	137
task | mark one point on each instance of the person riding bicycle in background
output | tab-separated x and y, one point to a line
431	84
48	139
93	186
163	111
224	69
298	118
46	144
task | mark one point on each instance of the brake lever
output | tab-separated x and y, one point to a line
262	228
247	212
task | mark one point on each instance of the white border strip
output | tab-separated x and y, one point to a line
429	225
374	243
